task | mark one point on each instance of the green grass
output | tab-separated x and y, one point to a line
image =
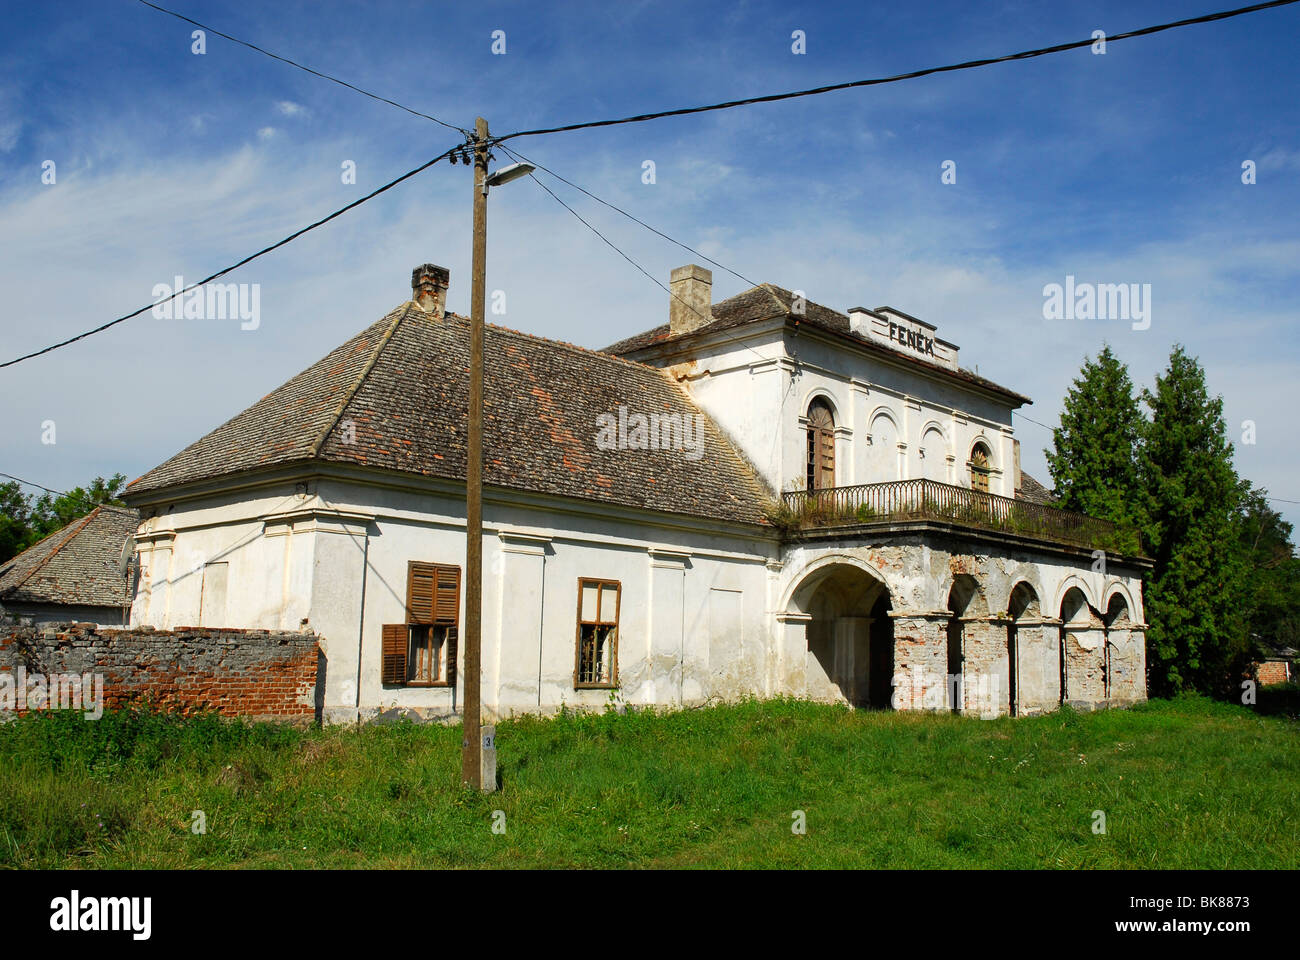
1183	783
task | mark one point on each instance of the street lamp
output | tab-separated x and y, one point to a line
506	174
472	744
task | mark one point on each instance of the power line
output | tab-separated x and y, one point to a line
235	266
519	156
65	493
1032	420
613	247
966	65
293	63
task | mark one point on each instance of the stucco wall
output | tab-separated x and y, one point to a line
333	556
891	423
706	611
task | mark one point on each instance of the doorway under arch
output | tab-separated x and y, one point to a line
967	605
1023	605
850	635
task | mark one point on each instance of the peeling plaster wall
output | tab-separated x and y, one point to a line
707	612
919	571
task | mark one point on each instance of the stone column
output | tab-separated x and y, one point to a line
920	660
1127	662
1038	683
792	671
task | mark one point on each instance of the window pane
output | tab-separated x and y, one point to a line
589	594
587	655
608	603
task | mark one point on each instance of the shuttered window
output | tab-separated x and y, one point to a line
821	446
422	651
396	638
597	654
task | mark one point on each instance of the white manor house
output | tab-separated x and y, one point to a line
761	497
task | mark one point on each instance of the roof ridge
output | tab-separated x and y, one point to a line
399	314
565	344
79	523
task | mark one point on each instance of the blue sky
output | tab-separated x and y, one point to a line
1121	168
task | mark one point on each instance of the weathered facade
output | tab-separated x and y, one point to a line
248	673
762	497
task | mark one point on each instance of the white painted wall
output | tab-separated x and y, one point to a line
693	618
757	384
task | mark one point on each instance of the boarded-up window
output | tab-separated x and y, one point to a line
212	603
597	653
821	446
422	651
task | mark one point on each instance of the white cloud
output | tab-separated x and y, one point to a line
266	133
290	109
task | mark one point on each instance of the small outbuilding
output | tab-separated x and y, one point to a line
76	573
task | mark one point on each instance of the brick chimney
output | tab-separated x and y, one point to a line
429	284
691	303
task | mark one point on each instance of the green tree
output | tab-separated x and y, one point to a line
1272	572
1094	465
1194	596
23	523
15	520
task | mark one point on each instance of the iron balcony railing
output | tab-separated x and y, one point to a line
900	500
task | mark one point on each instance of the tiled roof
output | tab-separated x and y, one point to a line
1034	492
395	397
77	564
767	301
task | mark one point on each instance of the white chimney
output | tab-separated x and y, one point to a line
429	284
691	303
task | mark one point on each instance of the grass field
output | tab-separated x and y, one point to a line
1183	783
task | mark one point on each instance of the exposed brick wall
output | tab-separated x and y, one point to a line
259	674
1272	671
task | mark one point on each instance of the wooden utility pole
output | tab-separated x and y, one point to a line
471	770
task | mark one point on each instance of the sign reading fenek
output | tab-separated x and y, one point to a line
904	334
916	339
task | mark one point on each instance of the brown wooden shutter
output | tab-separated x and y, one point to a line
394	655
451	655
447	599
420	578
821	447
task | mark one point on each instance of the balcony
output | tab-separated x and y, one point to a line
802	512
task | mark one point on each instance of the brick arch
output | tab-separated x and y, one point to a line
976	603
1024	600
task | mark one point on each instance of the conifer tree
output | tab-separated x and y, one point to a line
1094	463
1195	594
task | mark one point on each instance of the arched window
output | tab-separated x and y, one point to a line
821	446
979	468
